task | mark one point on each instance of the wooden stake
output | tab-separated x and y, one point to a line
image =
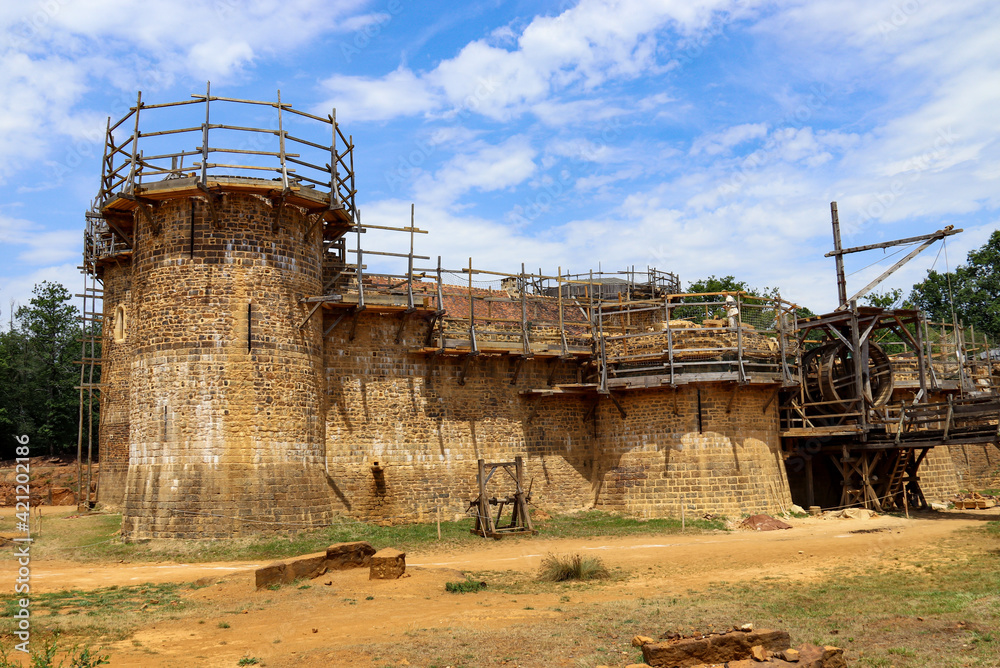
439	521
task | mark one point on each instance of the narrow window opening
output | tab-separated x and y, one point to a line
121	324
249	323
700	429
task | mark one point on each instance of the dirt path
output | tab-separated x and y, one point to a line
327	622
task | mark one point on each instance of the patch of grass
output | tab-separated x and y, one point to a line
105	610
96	537
249	661
46	657
223	625
556	568
600	523
465	586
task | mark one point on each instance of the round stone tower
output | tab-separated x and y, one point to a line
213	365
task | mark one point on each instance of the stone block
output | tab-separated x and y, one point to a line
733	646
387	564
273	574
342	556
308	566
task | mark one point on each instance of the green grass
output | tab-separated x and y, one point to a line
600	523
95	537
111	611
49	655
464	586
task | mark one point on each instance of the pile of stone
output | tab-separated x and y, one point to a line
741	647
386	564
763	523
974	501
689	341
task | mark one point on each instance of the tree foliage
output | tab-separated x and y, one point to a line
38	370
974	291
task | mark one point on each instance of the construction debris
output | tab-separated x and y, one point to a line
387	564
739	649
763	523
338	557
974	501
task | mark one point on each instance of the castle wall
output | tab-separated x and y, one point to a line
116	380
938	480
408	413
226	423
727	463
977	466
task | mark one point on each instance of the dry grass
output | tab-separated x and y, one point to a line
556	568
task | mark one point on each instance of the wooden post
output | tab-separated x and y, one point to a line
683	516
438	511
409	267
841	279
440	307
281	147
472	312
921	363
135	142
859	367
562	327
334	193
204	135
483	521
525	342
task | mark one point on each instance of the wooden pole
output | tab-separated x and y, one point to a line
204	135
439	521
841	279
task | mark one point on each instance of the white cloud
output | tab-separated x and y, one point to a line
577	50
720	142
57	51
488	168
375	99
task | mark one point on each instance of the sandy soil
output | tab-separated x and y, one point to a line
324	624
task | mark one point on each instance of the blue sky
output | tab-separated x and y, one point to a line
700	137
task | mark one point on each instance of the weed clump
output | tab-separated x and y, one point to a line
556	568
464	586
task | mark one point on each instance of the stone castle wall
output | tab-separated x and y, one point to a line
226	424
977	466
408	413
115	395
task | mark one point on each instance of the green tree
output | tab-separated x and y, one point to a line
974	291
887	300
41	351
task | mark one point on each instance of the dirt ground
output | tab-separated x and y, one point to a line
330	622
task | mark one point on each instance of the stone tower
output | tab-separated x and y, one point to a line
213	412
